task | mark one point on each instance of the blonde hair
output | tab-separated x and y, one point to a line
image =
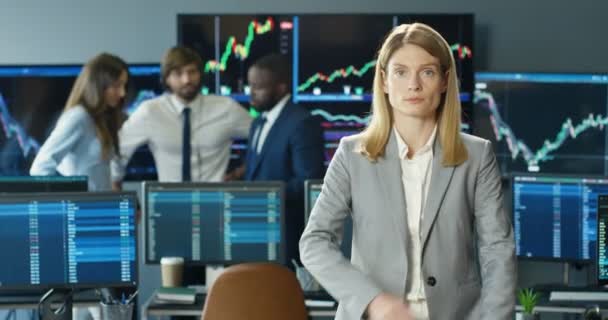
96	76
375	137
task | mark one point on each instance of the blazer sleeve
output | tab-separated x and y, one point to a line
320	243
62	140
495	242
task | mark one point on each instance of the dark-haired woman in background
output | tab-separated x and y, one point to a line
85	137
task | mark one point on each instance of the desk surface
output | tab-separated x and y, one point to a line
544	305
153	308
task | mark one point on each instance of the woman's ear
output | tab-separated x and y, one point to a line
444	85
384	82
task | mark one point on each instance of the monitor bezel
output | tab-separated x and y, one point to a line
48	181
147	186
132	196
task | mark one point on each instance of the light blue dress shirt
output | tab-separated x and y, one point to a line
73	148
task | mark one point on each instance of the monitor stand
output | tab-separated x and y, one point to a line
564	284
566	273
63	312
202	285
212	272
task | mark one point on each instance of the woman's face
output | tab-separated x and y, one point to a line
114	94
414	82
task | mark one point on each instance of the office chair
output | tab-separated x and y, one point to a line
255	291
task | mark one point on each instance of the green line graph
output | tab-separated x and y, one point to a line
240	51
343	73
462	52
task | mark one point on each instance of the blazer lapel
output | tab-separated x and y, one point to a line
252	156
440	180
276	129
388	170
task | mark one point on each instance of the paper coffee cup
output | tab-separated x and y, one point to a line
172	269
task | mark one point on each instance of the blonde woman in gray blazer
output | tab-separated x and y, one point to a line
431	239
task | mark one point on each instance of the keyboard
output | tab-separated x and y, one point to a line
578	293
318	295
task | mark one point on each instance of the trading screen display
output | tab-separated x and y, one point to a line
555	217
67	240
215	223
547	123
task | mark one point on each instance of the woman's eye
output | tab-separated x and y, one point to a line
429	72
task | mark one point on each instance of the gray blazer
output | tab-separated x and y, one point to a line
468	251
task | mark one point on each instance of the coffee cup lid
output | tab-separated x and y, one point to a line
171	260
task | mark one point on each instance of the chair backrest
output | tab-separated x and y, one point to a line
255	291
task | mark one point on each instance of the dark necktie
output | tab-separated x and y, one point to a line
258	134
186	146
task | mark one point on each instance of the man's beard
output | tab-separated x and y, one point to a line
188	93
268	105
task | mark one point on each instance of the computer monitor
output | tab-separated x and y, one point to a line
312	191
20	184
602	239
549	123
555	217
67	240
215	223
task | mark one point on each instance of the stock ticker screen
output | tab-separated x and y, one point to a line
555	217
215	223
55	240
544	123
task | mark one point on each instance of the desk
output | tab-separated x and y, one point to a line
151	308
544	305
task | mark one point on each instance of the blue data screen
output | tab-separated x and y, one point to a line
556	217
67	240
215	224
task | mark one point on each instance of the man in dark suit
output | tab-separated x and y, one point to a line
285	141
